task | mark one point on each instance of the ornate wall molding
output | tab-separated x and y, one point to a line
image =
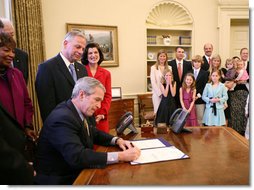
169	14
233	2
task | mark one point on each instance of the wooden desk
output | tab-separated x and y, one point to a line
117	108
218	156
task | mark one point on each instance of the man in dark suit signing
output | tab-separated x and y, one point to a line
66	141
179	68
20	60
55	78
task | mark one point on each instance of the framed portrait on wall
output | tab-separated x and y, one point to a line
116	92
105	36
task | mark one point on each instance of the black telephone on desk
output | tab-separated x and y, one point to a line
178	120
125	122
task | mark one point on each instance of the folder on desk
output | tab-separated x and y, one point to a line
156	150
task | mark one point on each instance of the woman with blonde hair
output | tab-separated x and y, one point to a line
155	76
216	65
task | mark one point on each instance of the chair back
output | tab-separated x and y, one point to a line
145	105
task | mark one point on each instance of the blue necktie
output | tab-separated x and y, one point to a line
73	72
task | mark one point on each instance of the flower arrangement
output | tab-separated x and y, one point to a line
166	36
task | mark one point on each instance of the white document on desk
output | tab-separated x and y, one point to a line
148	143
156	152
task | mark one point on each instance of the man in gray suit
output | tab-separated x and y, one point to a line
21	57
54	80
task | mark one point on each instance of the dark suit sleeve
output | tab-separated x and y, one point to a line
14	168
26	68
205	66
68	138
81	70
189	70
203	82
100	137
44	86
21	62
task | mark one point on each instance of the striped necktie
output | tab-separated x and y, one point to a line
73	72
86	126
209	60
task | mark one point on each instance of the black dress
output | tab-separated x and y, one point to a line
238	99
166	108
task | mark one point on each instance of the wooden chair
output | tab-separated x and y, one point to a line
145	106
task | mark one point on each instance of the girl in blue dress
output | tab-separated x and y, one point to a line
214	95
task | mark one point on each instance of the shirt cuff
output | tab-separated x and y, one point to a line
112	158
113	141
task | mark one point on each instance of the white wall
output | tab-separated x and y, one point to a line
5	8
129	16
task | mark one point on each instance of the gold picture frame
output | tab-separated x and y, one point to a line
105	36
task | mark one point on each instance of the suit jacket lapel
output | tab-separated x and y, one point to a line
174	68
199	75
64	70
98	73
78	70
86	140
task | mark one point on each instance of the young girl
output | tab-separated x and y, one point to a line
241	72
188	97
241	76
167	105
156	74
230	74
231	71
215	95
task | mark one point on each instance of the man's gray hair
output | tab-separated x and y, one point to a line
88	85
70	35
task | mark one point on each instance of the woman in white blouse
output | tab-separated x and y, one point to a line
156	74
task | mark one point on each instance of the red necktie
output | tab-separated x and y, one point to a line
209	60
179	71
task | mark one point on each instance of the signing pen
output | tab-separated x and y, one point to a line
132	144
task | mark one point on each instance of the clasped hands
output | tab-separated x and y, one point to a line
214	100
169	80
